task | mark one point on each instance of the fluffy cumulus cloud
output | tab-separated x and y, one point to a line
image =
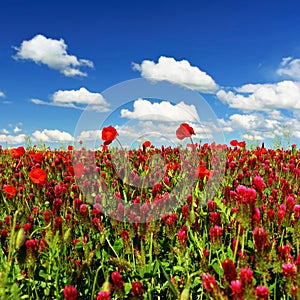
53	53
263	97
12	139
78	99
177	72
51	135
261	126
2	95
163	111
289	67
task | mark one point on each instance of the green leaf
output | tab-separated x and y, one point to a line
250	244
218	268
118	244
127	287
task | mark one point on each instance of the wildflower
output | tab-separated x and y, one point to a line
260	238
117	280
262	293
201	172
137	290
259	184
78	169
17	152
38	176
246	275
184	130
229	270
84	210
210	284
70	292
9	190
181	235
236	287
103	295
215	233
234	143
109	134
289	270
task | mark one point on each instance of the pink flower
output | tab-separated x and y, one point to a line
70	293
236	287
262	293
246	275
289	270
260	238
103	295
209	282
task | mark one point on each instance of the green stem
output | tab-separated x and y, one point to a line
112	248
94	283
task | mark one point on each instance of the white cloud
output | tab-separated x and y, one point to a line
250	137
2	95
264	97
5	131
77	99
89	135
53	53
12	139
163	111
49	135
261	126
290	67
17	129
177	72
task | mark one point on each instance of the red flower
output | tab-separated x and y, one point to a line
38	176
109	134
209	283
117	280
236	288
17	152
146	144
136	289
229	270
70	292
202	172
70	148
262	292
242	144
184	130
260	238
78	169
234	143
9	190
103	295
38	157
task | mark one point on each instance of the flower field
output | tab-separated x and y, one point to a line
223	226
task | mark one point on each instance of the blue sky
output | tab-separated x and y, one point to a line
60	59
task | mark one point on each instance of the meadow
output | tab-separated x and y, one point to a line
222	222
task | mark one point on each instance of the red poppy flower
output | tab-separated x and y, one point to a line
78	169
234	143
9	190
202	172
17	152
38	157
70	148
109	134
146	144
242	144
38	176
184	130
